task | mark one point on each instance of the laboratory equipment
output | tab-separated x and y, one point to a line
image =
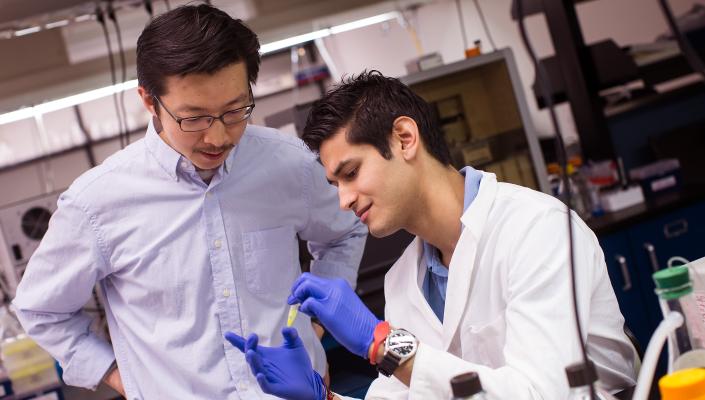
31	370
468	387
293	312
23	225
686	345
688	384
658	177
580	377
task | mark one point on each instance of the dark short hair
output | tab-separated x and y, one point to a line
193	39
368	104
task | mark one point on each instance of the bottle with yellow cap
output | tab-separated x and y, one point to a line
686	384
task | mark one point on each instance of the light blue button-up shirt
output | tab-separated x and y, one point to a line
180	262
435	282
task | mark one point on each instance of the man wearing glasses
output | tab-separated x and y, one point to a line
189	232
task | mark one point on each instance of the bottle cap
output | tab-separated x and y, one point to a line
466	385
672	283
686	384
581	375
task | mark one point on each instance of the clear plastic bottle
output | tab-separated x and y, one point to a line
468	387
686	345
580	192
580	377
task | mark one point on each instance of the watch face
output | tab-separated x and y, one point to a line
401	343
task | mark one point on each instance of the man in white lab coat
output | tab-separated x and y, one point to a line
484	287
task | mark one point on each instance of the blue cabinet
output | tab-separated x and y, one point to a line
624	272
634	253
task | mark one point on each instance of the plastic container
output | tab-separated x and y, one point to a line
687	384
38	377
580	192
22	352
686	345
659	177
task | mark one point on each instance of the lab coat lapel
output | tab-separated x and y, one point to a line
414	263
462	262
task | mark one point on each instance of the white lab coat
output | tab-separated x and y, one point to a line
508	312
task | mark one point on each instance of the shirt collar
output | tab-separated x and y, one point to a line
166	157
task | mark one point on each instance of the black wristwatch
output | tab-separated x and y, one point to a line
399	346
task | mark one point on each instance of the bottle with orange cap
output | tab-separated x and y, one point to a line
686	384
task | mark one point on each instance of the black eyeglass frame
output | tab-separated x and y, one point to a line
249	108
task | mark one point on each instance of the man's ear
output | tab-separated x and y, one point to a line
405	136
147	100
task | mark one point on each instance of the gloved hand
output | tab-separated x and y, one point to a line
338	308
283	371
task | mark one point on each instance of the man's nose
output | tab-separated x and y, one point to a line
216	135
347	197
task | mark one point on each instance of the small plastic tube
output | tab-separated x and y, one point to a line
293	312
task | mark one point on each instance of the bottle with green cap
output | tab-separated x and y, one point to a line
686	345
468	387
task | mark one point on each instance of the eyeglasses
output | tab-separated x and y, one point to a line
203	122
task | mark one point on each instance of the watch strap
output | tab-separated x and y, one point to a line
389	364
380	334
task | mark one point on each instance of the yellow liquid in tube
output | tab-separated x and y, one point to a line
293	311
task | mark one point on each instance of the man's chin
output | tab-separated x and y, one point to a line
381	232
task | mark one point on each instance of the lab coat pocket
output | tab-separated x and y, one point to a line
271	263
484	343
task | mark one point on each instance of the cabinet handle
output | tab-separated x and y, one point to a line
625	273
675	228
652	256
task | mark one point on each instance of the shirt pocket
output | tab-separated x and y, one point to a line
271	261
484	343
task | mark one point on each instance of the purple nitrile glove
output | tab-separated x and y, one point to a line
338	308
283	371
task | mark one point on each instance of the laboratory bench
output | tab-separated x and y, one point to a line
664	203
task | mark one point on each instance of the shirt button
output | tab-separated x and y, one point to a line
226	293
184	164
243	386
209	194
217	243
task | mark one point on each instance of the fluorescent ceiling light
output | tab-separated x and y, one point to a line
27	31
292	41
80	98
66	102
361	23
84	17
321	33
56	24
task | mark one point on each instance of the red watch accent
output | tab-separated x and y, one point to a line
329	394
381	332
